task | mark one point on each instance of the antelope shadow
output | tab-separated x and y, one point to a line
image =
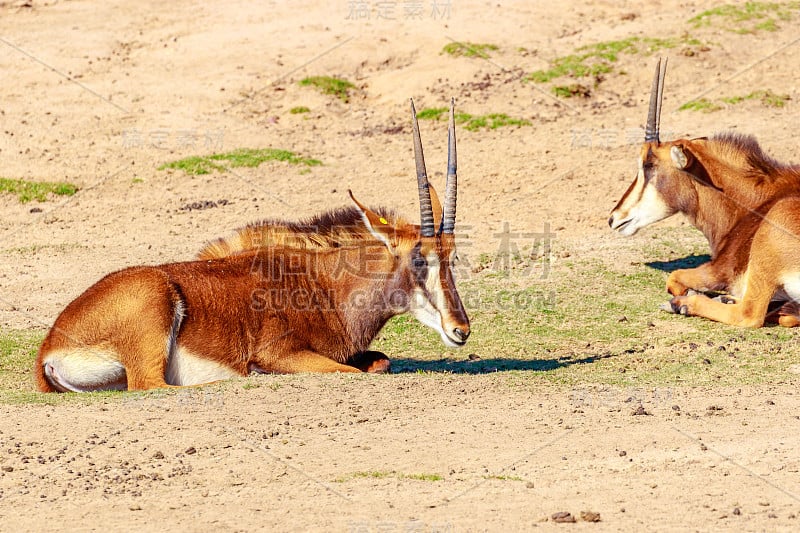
489	365
690	261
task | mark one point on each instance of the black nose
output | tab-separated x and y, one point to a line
460	334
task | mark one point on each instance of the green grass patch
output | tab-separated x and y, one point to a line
299	110
702	104
244	157
17	353
749	17
595	321
504	478
572	90
329	85
599	58
469	122
36	190
467	49
383	474
423	477
766	97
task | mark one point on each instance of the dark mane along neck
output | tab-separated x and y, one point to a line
744	182
333	229
751	169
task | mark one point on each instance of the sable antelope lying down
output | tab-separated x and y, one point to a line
745	203
286	307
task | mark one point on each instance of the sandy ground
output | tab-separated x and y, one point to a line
102	93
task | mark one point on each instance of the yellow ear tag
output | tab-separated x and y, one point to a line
383	220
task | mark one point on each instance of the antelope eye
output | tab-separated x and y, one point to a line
419	262
648	165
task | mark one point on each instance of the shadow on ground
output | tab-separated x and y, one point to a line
489	365
690	261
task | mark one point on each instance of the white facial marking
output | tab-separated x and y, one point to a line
427	311
424	311
643	206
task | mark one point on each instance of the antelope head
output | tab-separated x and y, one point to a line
425	254
662	186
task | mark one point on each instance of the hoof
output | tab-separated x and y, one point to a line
371	361
380	366
669	307
674	307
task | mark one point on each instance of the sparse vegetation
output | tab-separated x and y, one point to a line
748	17
701	104
767	98
50	248
299	109
382	474
569	91
532	325
504	478
611	331
329	85
467	49
17	351
244	157
36	190
597	59
473	122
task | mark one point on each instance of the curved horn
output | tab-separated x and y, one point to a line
451	187
425	207
654	114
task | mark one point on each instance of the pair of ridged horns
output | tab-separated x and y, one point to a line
448	222
656	93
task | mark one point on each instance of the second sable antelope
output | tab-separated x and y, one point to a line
746	204
290	306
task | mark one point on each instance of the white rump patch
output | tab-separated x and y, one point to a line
186	368
791	286
84	370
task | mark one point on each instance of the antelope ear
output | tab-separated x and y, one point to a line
680	157
379	227
685	160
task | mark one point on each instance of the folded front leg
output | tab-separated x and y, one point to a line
705	278
299	361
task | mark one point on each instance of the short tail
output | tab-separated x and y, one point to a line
41	374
